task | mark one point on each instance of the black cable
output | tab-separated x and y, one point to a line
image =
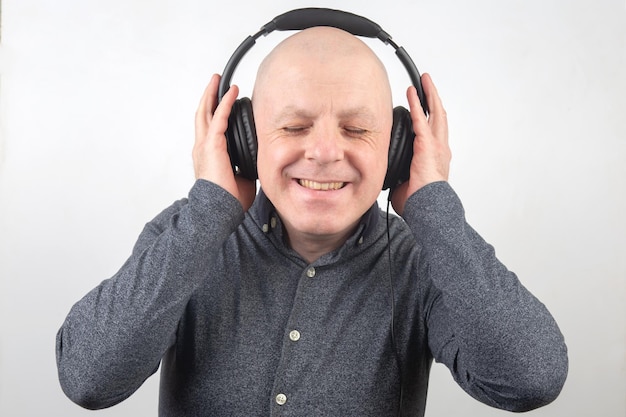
394	344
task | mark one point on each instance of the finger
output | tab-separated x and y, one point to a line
432	95
434	100
207	104
219	121
417	113
438	119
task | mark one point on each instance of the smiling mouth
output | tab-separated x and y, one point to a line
321	186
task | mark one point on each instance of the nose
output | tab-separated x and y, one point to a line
324	146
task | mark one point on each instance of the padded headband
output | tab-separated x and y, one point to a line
300	19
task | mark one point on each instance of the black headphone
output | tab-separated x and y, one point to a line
241	132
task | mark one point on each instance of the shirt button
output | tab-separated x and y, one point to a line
294	335
273	222
310	272
281	399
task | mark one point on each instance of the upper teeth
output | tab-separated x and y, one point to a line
314	185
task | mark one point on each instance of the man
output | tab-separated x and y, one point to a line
296	301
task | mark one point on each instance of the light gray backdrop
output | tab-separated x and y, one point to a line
96	112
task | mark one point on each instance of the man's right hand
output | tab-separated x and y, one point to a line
210	152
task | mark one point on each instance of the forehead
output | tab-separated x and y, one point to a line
297	84
296	92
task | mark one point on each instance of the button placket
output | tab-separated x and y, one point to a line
293	338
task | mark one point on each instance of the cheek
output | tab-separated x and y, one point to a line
272	158
263	164
376	164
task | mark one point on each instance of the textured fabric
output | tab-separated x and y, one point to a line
243	326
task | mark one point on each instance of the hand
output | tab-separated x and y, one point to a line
210	152
431	152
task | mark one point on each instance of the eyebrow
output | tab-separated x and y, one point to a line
292	111
360	111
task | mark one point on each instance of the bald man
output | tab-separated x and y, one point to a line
295	301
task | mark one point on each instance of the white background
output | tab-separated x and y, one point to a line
97	100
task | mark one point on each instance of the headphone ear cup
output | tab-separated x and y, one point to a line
241	139
400	148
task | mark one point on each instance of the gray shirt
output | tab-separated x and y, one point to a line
243	326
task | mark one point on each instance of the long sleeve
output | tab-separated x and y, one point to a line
501	344
114	338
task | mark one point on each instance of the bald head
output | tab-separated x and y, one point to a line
322	49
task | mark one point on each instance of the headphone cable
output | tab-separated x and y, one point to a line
393	312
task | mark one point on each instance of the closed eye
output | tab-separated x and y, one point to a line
355	131
295	130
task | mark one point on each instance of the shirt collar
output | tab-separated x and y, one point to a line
264	212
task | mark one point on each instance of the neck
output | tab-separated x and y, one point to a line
313	246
